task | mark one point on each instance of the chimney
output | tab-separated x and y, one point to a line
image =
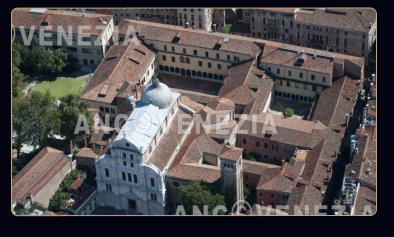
214	27
347	119
187	24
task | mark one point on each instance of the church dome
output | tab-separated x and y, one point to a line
157	94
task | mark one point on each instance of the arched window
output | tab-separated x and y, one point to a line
161	67
194	73
215	76
199	74
187	60
177	70
172	69
204	74
166	68
181	59
210	75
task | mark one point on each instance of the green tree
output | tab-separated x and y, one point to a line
17	76
288	112
252	156
70	109
44	120
34	118
200	193
20	113
36	59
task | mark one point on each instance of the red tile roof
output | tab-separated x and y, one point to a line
278	56
279	183
305	198
358	19
231	153
193	171
77	184
336	101
56	19
37	173
117	73
288	130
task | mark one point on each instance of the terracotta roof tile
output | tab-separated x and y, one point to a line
351	19
116	72
56	19
37	173
279	183
289	131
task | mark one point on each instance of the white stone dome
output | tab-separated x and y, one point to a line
157	94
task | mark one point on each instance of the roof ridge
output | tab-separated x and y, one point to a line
43	172
121	58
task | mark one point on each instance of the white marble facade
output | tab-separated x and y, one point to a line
125	178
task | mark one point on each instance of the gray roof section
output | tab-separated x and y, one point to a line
143	124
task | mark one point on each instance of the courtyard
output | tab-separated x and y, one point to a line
62	86
190	84
301	110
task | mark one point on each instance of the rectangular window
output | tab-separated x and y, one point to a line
244	141
173	49
288	84
195	52
124	176
269	69
209	65
129	177
164	58
106	172
266	145
272	195
257	144
135	178
101	108
219	66
289	73
124	155
217	55
109	187
301	75
165	47
278	70
132	165
173	59
124	163
313	77
324	79
112	110
152	182
228	57
261	194
184	50
153	197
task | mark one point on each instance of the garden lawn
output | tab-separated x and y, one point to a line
62	86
